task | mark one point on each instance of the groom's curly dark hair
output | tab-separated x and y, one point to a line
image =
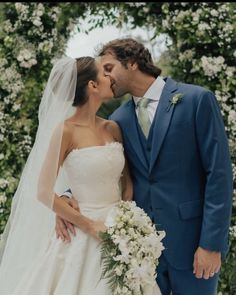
129	50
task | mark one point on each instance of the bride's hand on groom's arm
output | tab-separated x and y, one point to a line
206	263
63	227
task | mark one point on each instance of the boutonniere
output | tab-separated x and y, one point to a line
175	99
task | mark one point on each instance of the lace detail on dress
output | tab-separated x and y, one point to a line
112	144
94	173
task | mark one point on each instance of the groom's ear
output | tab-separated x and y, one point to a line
132	66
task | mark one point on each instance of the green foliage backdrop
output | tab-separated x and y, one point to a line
201	51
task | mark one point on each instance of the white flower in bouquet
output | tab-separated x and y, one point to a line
130	250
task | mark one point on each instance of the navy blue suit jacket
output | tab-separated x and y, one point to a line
186	188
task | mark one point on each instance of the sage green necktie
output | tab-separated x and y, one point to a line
143	117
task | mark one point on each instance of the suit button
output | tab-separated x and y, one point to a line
148	148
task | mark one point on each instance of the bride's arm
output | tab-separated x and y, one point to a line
65	211
126	181
59	206
87	225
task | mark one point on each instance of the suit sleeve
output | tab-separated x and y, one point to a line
67	193
215	156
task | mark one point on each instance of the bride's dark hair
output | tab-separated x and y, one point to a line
86	71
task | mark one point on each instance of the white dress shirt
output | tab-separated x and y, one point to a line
154	93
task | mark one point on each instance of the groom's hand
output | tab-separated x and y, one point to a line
62	226
206	263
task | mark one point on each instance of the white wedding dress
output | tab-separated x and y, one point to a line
75	268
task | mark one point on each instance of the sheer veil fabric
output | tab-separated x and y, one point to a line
32	221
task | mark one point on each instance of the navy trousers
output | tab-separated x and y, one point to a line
183	282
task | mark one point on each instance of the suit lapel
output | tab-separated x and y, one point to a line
131	129
162	119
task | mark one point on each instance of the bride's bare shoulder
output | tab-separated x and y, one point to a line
70	125
113	128
68	129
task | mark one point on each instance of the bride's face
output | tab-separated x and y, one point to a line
103	83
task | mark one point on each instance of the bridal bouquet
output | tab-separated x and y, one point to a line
130	250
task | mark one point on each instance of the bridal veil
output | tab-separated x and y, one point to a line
31	220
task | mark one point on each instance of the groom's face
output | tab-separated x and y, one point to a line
118	74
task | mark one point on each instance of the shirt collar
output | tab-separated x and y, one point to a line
154	91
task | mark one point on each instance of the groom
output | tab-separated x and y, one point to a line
178	155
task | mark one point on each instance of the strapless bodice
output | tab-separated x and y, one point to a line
94	173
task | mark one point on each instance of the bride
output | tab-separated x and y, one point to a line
77	149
